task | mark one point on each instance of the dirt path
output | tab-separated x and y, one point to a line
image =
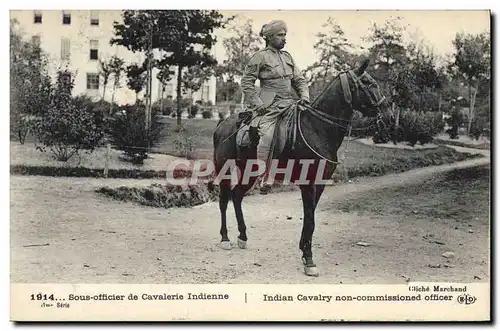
92	239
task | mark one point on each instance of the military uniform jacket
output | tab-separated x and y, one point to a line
277	73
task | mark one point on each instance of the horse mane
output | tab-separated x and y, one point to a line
321	95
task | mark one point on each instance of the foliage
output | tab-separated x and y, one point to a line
54	171
335	53
472	64
207	114
227	91
185	143
67	126
183	37
129	133
420	126
194	77
105	72
390	59
413	127
136	78
239	49
479	127
30	84
455	121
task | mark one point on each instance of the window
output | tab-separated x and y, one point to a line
65	49
37	17
94	17
36	40
92	81
94	53
66	18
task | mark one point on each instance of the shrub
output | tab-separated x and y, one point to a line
414	127
54	171
455	121
185	144
362	126
129	134
478	128
67	127
207	114
194	110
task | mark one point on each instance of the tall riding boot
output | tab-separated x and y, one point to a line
264	154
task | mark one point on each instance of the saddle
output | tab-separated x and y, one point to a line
285	131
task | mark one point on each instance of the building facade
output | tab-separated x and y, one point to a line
78	39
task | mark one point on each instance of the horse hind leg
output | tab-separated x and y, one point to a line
224	195
237	198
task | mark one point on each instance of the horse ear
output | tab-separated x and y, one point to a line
363	66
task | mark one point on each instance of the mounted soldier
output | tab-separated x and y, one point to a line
279	76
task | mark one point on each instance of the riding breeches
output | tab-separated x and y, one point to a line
266	125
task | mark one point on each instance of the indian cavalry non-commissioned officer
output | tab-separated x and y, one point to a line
278	75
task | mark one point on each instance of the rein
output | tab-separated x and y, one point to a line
327	118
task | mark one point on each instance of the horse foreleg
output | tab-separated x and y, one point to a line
309	205
225	193
237	198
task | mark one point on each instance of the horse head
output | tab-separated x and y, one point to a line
369	99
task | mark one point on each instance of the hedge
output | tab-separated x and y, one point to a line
53	171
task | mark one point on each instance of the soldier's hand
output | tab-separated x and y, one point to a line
260	110
304	101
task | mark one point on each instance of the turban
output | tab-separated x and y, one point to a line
272	27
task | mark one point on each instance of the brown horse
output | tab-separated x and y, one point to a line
319	130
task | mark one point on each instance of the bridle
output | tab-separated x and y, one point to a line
344	81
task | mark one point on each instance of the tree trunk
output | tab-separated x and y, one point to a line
112	100
394	106
104	89
179	82
161	98
472	99
439	102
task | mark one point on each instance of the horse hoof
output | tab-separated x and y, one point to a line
226	245
242	244
311	271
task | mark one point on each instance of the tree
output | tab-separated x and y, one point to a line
105	72
472	64
67	127
183	37
430	77
239	48
194	77
335	54
194	30
30	83
163	77
389	54
116	68
228	90
136	79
